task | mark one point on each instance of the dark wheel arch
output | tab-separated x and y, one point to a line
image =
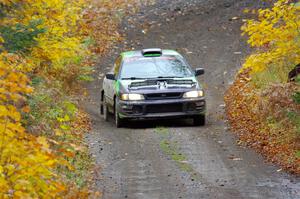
102	95
115	103
101	103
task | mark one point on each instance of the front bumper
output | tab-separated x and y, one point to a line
169	108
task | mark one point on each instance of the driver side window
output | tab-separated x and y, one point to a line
117	66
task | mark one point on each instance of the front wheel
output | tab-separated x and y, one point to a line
104	110
199	120
118	121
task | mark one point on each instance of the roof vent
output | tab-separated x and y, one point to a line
152	52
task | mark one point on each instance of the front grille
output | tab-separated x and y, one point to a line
164	108
158	96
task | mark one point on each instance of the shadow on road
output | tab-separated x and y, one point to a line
143	124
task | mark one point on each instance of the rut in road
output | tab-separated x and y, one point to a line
173	159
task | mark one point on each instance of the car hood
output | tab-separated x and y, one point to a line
158	85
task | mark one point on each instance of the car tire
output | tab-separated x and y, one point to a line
105	110
118	121
199	120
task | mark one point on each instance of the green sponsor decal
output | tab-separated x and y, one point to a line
122	115
117	87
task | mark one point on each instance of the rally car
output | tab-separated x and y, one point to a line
152	84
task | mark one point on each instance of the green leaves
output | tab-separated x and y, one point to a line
20	38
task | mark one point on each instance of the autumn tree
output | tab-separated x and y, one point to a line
275	34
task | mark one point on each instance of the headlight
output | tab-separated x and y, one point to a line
132	97
193	94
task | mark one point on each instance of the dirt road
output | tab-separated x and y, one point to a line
173	159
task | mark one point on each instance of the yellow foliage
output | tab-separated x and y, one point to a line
26	162
61	41
28	166
275	35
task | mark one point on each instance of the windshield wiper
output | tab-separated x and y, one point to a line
133	78
162	77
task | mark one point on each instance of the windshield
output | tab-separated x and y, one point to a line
155	67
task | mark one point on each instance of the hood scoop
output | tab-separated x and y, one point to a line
161	84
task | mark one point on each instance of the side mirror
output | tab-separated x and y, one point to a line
110	76
199	71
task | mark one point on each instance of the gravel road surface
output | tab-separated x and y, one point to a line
173	159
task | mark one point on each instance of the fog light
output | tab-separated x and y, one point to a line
202	103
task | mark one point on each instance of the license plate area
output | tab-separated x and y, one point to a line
164	108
